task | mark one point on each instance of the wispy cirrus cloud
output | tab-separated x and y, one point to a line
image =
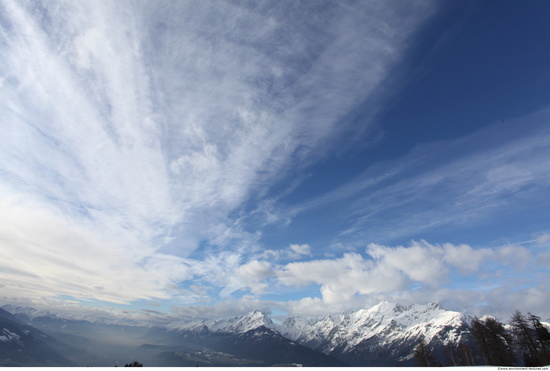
448	184
131	131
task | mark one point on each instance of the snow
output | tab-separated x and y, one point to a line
249	322
385	322
8	336
295	326
236	325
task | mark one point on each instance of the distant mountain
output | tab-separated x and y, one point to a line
24	345
235	325
30	314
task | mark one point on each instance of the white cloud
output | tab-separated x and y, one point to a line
255	269
341	278
139	131
301	250
44	254
253	273
353	280
389	270
464	258
517	256
420	262
543	239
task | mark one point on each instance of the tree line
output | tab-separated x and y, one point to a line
525	343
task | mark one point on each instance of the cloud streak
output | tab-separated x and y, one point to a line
131	131
450	184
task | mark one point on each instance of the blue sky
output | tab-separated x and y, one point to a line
207	158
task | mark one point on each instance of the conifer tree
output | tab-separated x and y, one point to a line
494	343
480	334
525	338
460	355
465	355
423	355
542	339
134	364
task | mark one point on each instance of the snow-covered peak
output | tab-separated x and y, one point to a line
249	322
382	307
195	327
235	325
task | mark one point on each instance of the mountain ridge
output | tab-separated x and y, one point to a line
386	328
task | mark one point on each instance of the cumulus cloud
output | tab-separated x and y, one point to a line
420	272
420	263
464	258
386	270
341	278
253	273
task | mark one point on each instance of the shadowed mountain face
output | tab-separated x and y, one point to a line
260	346
24	345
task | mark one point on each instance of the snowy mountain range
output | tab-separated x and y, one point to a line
384	335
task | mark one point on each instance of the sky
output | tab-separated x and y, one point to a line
176	159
